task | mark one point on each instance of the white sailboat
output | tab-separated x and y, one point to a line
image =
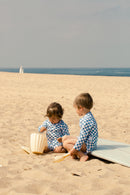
21	70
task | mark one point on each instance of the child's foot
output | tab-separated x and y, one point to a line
46	150
59	139
84	158
74	156
60	149
63	150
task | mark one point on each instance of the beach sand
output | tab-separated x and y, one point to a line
23	102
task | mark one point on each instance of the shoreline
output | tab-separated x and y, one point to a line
118	72
25	73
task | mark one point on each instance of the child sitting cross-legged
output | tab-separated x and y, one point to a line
82	146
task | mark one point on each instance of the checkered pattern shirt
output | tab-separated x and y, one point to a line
54	131
88	133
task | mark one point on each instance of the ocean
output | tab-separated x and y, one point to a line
123	72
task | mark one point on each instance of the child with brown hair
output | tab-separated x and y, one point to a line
54	127
82	146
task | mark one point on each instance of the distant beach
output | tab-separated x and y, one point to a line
123	72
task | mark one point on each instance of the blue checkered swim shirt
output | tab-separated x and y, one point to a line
88	133
54	131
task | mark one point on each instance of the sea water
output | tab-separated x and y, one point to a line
123	72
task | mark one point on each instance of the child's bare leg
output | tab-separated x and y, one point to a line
83	157
68	145
66	137
59	149
69	142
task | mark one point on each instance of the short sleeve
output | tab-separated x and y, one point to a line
44	124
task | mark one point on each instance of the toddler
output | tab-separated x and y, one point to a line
82	146
54	127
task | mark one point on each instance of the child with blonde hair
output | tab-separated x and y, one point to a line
55	127
82	146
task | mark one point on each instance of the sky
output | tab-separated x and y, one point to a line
64	33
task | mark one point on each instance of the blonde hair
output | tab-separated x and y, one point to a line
85	100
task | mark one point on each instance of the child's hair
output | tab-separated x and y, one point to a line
84	100
55	109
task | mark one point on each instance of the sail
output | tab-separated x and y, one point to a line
21	69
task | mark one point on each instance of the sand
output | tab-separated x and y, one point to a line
23	102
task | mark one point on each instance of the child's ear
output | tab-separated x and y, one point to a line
80	107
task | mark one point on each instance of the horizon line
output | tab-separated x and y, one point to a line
58	67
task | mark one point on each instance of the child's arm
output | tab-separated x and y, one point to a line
84	131
42	129
65	130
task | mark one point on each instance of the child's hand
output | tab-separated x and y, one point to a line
42	129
